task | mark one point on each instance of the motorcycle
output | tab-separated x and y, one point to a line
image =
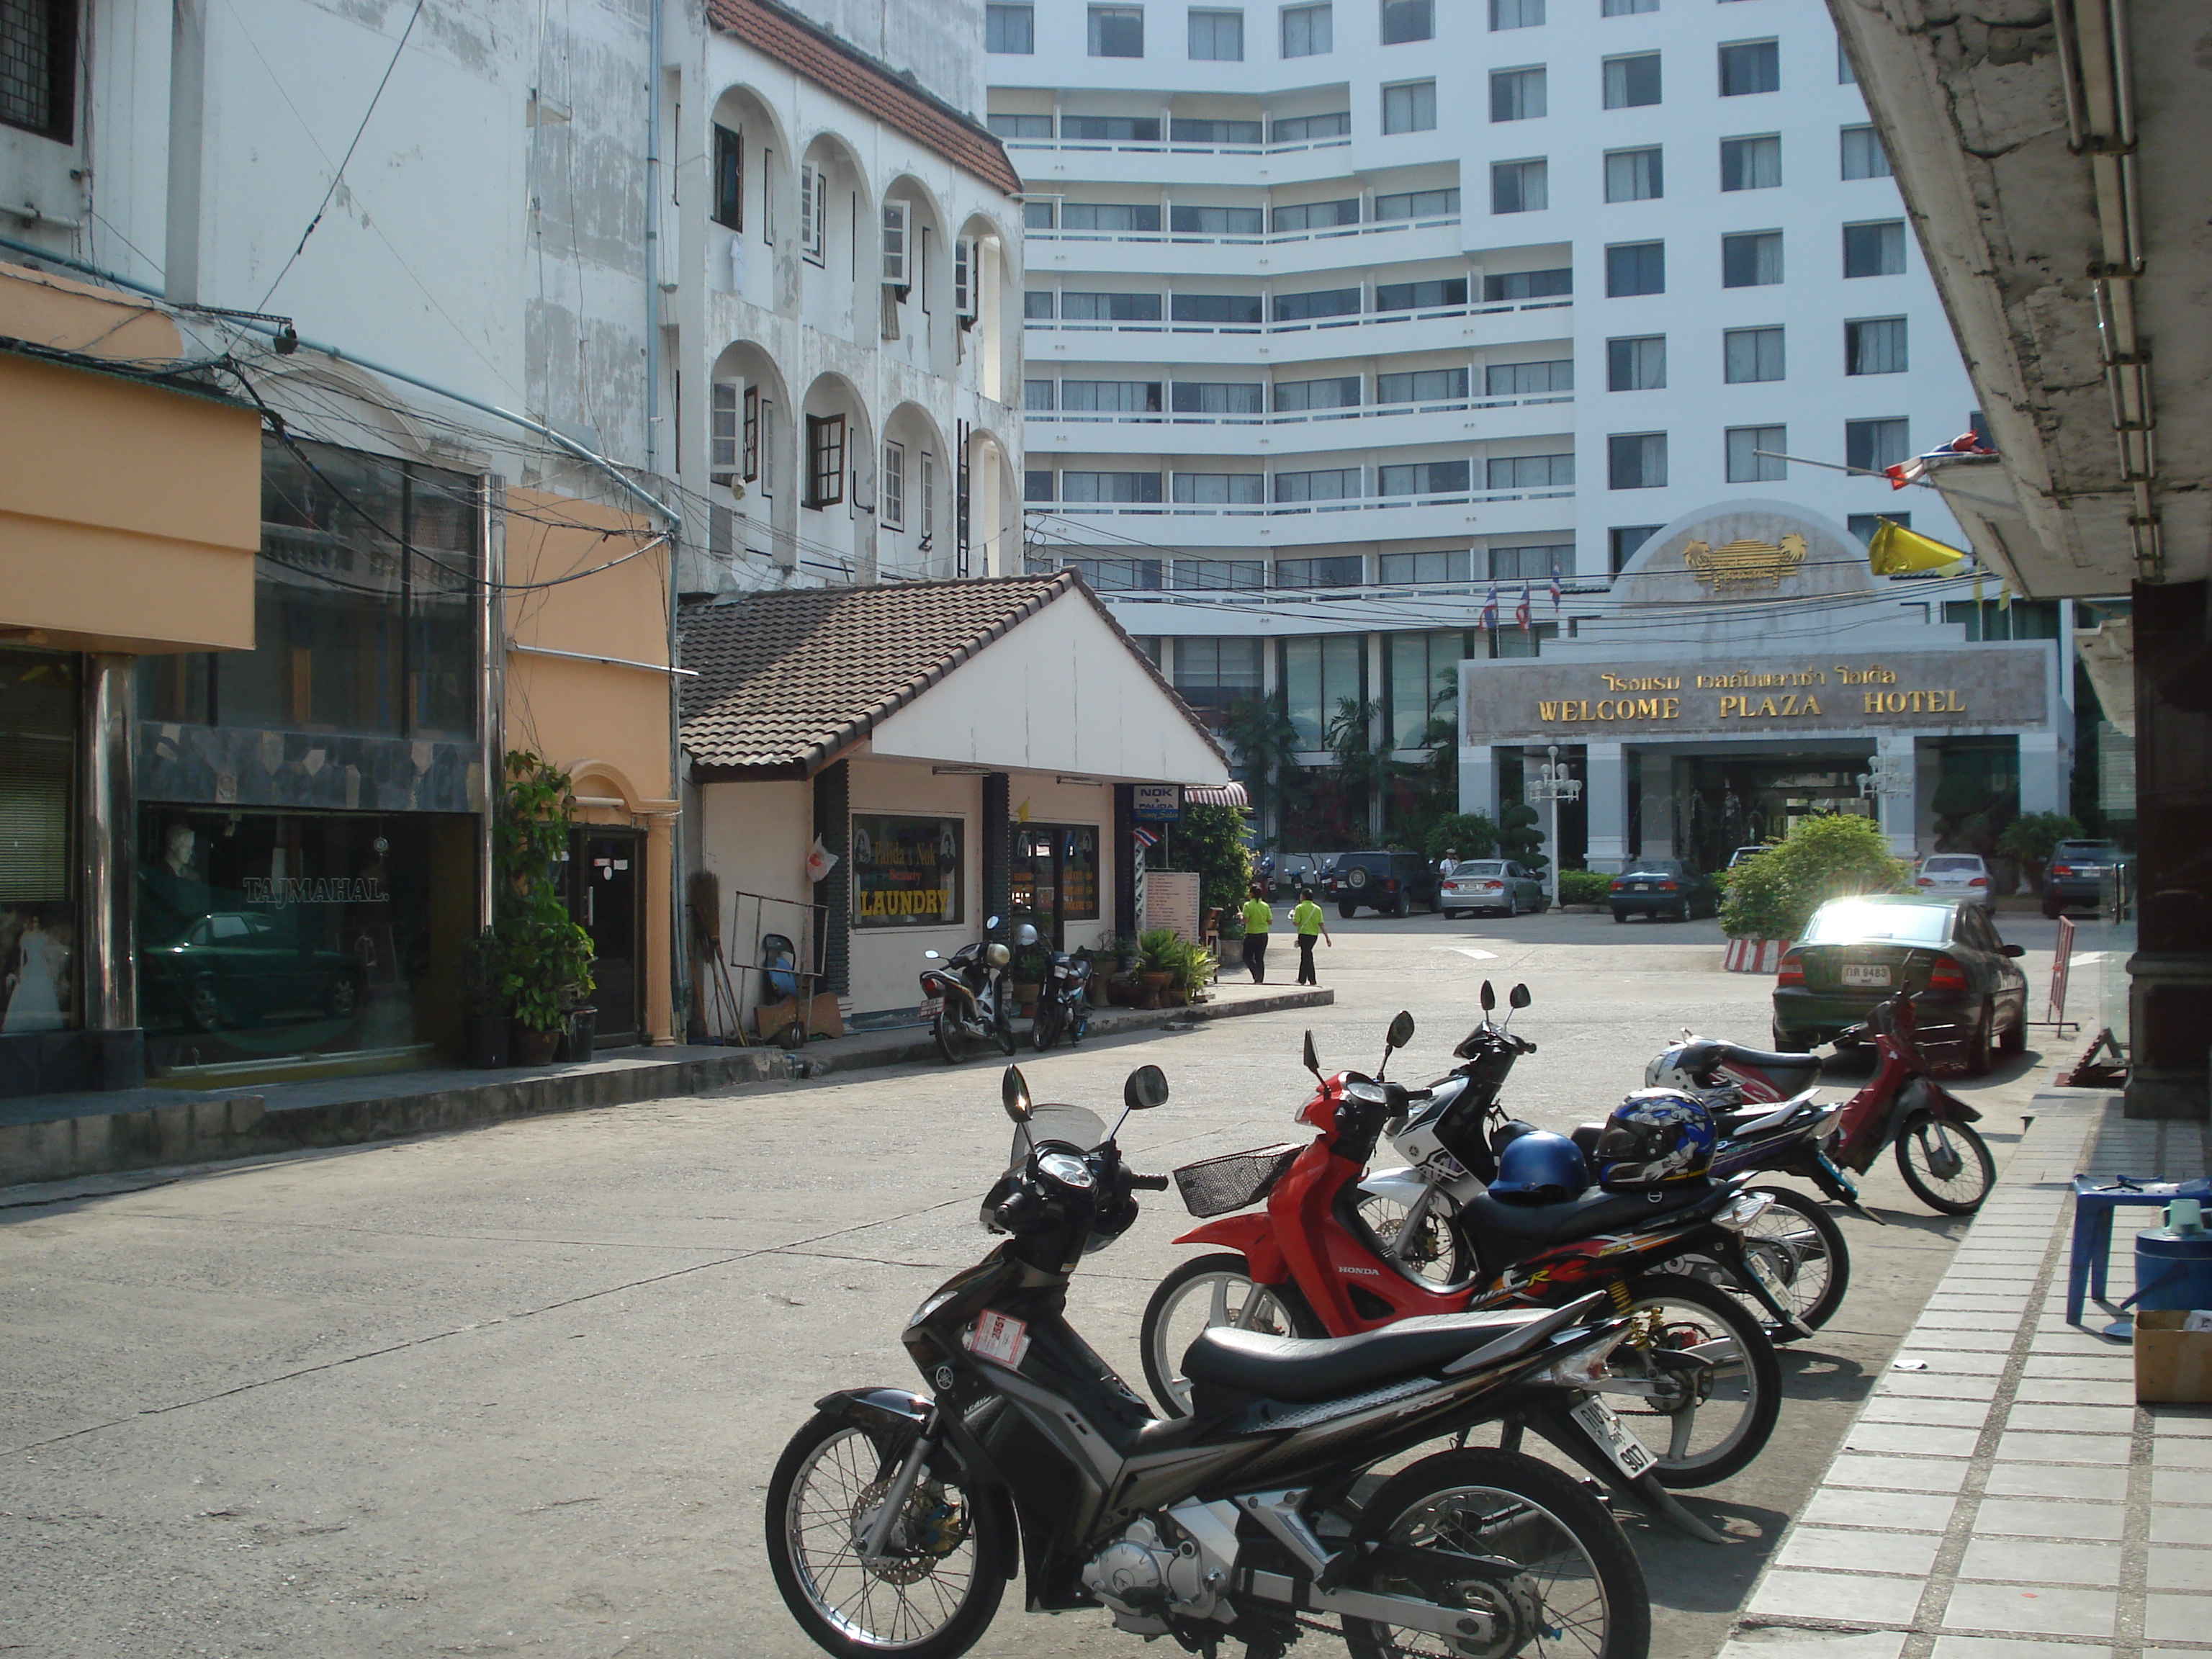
969	1000
1063	1002
895	1520
1941	1156
1310	1265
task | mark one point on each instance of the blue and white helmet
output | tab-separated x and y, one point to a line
1655	1138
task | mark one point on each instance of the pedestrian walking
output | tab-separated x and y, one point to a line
1306	923
1258	918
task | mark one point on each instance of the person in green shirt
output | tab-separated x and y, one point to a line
1258	918
1306	923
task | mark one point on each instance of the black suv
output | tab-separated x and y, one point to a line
1388	884
2075	874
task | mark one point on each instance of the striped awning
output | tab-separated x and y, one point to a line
1230	795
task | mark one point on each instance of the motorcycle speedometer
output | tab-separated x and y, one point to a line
1067	1169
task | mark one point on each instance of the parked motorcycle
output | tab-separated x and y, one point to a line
1063	1002
893	1517
1310	1265
968	1001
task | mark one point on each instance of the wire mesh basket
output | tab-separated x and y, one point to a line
1215	1185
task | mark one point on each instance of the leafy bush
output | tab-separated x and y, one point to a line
1585	886
1470	834
2031	836
1211	840
1772	895
1520	837
545	958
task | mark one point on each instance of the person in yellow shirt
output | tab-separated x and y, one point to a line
1306	923
1258	918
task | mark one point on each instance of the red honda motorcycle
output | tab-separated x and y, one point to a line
1704	1384
1941	1156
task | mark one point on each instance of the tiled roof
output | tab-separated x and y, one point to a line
862	81
787	680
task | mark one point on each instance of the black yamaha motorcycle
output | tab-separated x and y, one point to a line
970	1000
1063	1004
895	1520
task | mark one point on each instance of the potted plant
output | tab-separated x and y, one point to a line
483	992
1027	977
1193	972
545	956
1159	954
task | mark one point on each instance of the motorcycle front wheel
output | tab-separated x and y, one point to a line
1208	1291
934	1591
952	1041
1719	1383
1579	1593
1947	1164
1435	1253
1044	1030
1804	1249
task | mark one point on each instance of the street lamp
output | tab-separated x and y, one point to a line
1553	785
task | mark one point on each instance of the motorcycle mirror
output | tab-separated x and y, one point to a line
1401	1031
990	923
932	955
1489	996
1147	1087
1312	1060
1520	997
1014	1090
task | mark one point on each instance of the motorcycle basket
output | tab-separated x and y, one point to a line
1215	1185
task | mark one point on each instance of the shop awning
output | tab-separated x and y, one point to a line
1230	795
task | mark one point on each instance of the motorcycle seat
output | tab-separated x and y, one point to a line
1797	1071
1529	1225
1316	1368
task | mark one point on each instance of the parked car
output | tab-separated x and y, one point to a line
1956	875
2075	874
1388	884
1492	884
1664	890
1743	852
1856	951
235	966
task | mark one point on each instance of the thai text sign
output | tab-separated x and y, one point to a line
906	872
1989	686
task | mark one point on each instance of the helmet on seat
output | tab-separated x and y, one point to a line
1655	1138
1541	1168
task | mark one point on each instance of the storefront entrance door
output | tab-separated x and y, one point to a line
604	869
1054	877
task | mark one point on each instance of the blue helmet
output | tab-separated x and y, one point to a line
1655	1138
1541	1168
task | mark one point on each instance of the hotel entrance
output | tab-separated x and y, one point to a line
1721	802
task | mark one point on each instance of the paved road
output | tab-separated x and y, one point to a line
518	1390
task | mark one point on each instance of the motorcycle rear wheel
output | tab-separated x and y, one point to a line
1044	1030
937	1593
1728	1422
1581	1594
1219	1288
1802	1244
1948	1165
952	1041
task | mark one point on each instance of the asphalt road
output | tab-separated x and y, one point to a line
519	1390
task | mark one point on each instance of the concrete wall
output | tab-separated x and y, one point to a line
886	960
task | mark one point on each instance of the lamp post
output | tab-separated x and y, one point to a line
1553	785
1891	775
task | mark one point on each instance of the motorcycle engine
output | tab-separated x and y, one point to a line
1141	1578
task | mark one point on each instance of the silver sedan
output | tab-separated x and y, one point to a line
1498	885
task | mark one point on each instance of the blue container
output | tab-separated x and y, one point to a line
2173	1269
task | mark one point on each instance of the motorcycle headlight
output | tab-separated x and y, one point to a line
937	1300
998	956
1744	1209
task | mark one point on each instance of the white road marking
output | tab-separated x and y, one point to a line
1469	951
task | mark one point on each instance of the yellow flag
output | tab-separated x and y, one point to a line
1022	812
1896	551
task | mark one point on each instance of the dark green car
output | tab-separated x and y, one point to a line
235	967
1665	890
1857	952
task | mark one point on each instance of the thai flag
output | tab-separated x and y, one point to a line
1489	616
1144	838
1911	472
1521	611
1555	594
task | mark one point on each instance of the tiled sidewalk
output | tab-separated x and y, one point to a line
2001	1496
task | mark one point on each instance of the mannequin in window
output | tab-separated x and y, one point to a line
34	980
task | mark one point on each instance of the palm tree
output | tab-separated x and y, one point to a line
1260	733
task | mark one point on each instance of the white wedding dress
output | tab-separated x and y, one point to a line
36	1004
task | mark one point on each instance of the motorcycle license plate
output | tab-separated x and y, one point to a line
932	1006
1866	973
1630	1455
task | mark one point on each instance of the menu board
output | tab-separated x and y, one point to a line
1171	901
906	872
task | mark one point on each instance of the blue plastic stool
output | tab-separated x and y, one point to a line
2094	1200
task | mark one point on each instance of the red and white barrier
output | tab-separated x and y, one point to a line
1754	956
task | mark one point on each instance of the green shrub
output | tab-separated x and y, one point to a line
1772	895
1470	834
1584	886
2031	836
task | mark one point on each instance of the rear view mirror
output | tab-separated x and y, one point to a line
932	955
1401	1031
1014	1090
1489	996
1520	997
1147	1087
990	923
1312	1060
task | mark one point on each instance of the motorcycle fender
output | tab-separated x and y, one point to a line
1725	1247
1943	1103
1252	1235
1403	1186
896	1411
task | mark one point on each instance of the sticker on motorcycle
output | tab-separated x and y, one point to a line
995	1336
1630	1455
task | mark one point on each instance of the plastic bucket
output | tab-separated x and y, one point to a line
2173	1269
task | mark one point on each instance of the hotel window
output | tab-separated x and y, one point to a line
1320	673
1636	460
1516	14
1408	20
1022	127
1548	378
1343	570
1875	346
1036	484
1423	478
1639	364
1219	398
1530	472
1876	249
893	493
1111	129
1230	308
1754	454
1436	292
1632	268
1186	130
729	178
1424	670
1325	302
1040	215
1117	30
1110	307
1751	260
1337	392
1037	305
1119	575
1421	386
1632	83
1308	31
1528	285
1870	446
1220	489
1516	94
1112	488
38	67
1110	397
1304	129
1335	483
1622	541
1524	564
1750	163
1122	218
1863	155
825	460
1627	7
1220	574
1417	204
1210	674
1038	396
1217	36
1634	175
1217	221
1450	566
1751	66
1751	354
1317	215
1009	29
1410	107
723	436
1520	186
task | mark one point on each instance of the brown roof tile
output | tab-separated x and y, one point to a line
861	80
789	680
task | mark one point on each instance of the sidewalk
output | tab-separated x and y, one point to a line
64	1137
2001	1496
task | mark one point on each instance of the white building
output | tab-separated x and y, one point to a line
1342	314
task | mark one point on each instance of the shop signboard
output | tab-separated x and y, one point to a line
906	871
1171	901
1156	803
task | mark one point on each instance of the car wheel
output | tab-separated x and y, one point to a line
1347	909
1620	915
1980	1055
203	1005
1454	916
2014	1041
1789	1043
344	997
1512	907
1404	906
2050	911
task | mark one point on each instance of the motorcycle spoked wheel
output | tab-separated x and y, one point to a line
1947	1164
1436	1253
1580	1595
1044	1030
936	1591
1800	1241
1720	1415
952	1041
1203	1293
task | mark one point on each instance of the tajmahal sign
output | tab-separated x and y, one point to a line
1993	686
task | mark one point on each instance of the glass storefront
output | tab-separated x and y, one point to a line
906	872
265	935
38	726
1052	879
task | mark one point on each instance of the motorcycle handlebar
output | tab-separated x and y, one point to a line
1150	1183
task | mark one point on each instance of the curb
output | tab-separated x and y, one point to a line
1754	956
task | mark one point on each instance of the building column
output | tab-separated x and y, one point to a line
998	837
2042	780
106	942
660	962
833	823
1899	814
1658	809
1605	793
1927	775
1478	781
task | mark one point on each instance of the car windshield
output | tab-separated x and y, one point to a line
1655	867
1941	865
2088	852
1847	921
1478	868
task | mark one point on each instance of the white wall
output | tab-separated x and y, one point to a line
888	961
754	838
